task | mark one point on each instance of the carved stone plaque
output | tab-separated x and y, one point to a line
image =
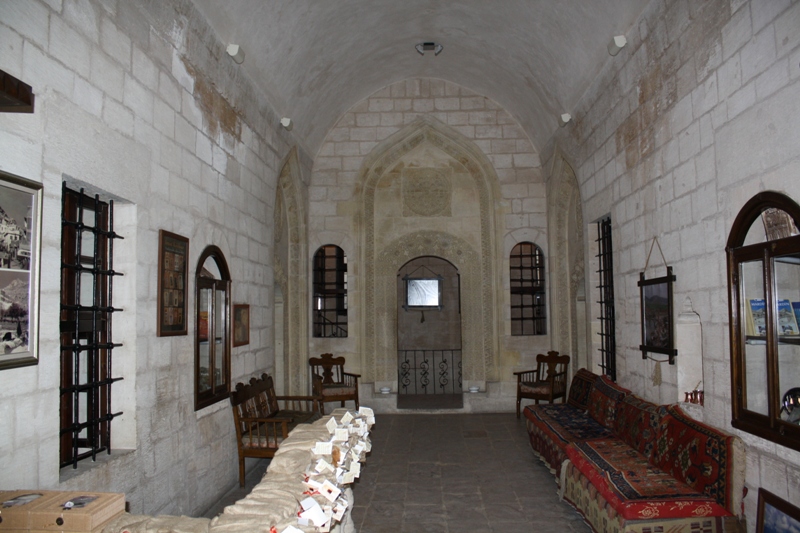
427	192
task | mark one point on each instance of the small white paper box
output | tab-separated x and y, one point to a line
323	448
330	491
331	425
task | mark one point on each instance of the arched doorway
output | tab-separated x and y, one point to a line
429	334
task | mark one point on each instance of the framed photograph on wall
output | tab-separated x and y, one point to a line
241	324
657	322
173	252
776	515
20	253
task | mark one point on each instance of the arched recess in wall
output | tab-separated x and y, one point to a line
289	267
382	259
565	220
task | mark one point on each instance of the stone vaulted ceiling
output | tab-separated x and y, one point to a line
314	59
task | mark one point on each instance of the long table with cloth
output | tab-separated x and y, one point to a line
306	487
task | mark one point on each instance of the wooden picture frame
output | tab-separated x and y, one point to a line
20	257
173	255
656	313
776	515
241	324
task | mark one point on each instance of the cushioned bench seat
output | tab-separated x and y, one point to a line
633	487
551	427
631	466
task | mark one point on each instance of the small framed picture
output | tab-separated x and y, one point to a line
241	324
657	323
776	515
20	251
173	251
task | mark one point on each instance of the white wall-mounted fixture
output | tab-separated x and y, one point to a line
564	119
236	52
423	47
286	122
617	44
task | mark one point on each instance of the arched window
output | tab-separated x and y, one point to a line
528	301
330	292
764	295
212	333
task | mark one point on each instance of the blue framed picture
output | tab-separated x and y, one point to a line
776	515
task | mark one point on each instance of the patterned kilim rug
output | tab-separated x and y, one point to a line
430	401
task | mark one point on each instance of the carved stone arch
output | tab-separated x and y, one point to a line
376	339
461	255
290	213
565	220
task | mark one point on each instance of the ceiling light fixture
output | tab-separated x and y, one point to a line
286	122
617	44
236	52
564	119
436	47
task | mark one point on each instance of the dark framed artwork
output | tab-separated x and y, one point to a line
20	253
241	324
776	515
657	322
173	251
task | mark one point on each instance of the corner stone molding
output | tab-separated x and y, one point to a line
564	202
291	277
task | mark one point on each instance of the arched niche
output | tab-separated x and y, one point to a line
381	260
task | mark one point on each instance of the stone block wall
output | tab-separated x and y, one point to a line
696	115
519	210
138	100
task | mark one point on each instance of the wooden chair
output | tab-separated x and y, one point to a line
261	423
331	382
547	382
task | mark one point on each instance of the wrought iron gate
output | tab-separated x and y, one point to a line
429	372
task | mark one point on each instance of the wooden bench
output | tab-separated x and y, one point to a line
261	423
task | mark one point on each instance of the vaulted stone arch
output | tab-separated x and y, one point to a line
381	260
289	265
565	220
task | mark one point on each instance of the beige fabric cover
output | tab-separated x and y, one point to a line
290	462
130	523
273	502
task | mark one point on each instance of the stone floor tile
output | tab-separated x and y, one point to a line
423	527
457	473
469	526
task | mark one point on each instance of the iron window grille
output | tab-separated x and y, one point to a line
330	292
87	274
528	301
608	341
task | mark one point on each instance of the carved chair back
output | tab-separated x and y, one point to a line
329	368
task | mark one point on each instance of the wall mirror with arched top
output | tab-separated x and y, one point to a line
212	331
763	254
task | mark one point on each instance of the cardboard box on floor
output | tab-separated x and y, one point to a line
77	511
16	505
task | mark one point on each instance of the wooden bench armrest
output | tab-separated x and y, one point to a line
351	375
261	430
301	403
527	375
297	398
